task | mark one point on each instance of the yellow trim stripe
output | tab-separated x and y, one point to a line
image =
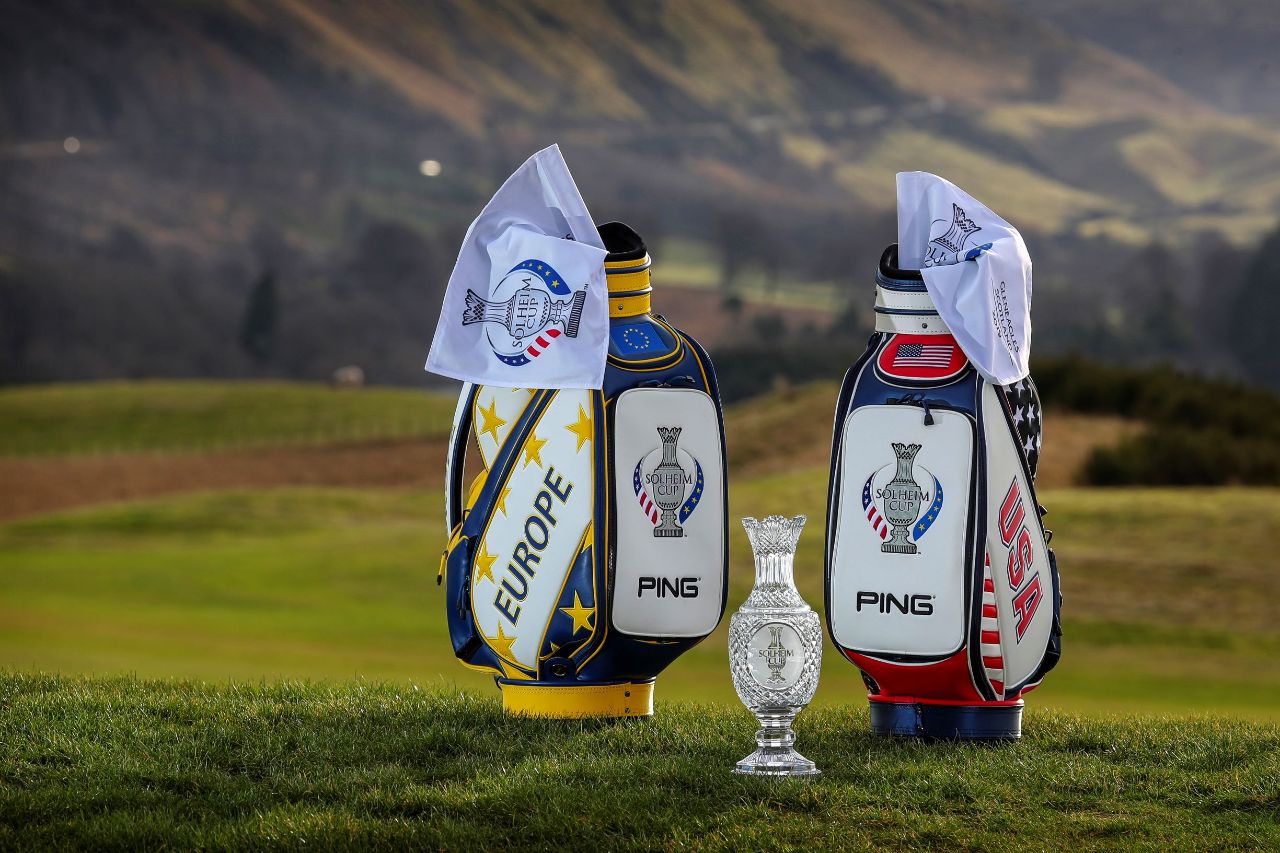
627	282
633	263
578	700
629	306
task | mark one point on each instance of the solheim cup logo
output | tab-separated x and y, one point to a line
896	502
775	655
948	238
668	481
524	324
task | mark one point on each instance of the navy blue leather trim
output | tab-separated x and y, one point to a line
901	285
458	457
947	722
911	312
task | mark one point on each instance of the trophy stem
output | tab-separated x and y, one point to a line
775	754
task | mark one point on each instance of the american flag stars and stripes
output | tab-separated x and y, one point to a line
642	495
923	355
1028	419
873	513
541	342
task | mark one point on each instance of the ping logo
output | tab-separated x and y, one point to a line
887	602
1024	578
668	587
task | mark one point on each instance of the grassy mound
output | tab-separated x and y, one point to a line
199	415
122	763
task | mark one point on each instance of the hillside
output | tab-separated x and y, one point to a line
1223	52
219	140
123	763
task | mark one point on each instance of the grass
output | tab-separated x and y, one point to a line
1167	592
128	764
204	415
1171	655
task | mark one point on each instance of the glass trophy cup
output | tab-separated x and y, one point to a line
775	650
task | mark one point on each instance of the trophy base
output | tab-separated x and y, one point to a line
947	722
764	762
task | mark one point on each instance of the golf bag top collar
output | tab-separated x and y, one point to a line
626	270
903	305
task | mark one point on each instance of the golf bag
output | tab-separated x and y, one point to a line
940	585
591	550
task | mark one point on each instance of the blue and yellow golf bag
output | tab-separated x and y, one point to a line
940	585
591	550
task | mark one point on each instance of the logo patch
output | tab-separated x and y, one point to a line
893	501
524	321
668	484
921	357
952	240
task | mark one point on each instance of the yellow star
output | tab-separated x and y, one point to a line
501	502
490	420
484	564
533	450
502	644
580	615
582	428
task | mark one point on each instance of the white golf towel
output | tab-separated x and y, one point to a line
527	305
976	268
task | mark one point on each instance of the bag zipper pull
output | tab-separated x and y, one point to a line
928	415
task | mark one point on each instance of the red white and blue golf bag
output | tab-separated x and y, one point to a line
940	585
592	548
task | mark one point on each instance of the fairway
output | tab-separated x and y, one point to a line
128	764
1167	594
157	415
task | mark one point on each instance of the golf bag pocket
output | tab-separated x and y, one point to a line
900	549
667	474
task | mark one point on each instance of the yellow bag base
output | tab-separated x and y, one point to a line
575	701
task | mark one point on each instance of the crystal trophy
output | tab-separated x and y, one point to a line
775	650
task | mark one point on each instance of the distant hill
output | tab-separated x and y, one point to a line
1223	52
215	140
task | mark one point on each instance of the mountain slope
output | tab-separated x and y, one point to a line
218	139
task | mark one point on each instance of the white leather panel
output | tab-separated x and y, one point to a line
670	513
1023	585
524	556
494	413
898	558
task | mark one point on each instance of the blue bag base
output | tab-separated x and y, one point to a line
947	722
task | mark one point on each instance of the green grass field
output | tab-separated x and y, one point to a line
94	417
124	764
1171	618
323	706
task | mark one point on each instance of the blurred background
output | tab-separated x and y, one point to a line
226	227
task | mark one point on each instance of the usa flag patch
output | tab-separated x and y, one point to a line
915	357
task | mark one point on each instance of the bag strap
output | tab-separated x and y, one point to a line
455	460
